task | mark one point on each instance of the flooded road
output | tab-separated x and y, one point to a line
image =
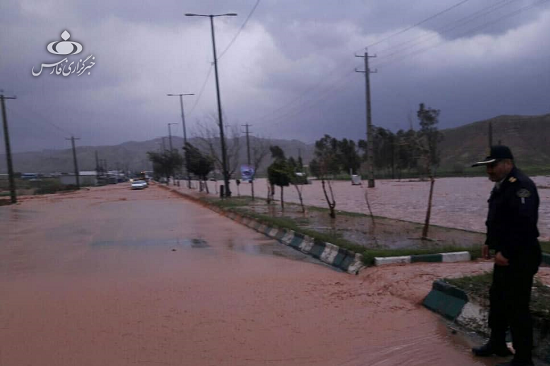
459	203
112	276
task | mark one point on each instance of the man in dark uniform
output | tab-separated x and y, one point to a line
512	233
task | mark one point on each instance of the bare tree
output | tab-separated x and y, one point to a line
429	137
209	142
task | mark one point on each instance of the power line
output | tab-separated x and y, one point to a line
202	90
295	100
417	24
332	89
465	20
509	15
31	121
240	29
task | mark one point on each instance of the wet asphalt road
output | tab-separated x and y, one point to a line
112	276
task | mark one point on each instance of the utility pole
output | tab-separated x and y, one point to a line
13	196
227	191
181	95
248	158
76	173
370	139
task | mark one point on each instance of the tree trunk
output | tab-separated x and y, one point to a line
332	204
428	213
268	194
252	188
282	201
300	197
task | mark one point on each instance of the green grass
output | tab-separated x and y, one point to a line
545	245
228	203
368	254
478	287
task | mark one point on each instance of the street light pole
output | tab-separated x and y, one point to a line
184	134
227	192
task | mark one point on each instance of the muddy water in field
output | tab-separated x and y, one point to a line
457	202
112	276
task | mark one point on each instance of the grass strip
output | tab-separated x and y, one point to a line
238	205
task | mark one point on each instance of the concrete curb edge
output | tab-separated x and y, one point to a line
440	257
454	304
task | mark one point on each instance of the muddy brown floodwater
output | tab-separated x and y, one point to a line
459	203
111	276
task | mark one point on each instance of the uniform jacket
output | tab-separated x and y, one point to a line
512	220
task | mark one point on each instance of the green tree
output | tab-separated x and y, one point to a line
278	173
165	163
349	159
327	165
199	164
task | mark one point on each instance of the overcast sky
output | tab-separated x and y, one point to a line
290	71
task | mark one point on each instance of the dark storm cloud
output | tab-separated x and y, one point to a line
290	72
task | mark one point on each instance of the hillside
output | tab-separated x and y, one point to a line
130	155
528	137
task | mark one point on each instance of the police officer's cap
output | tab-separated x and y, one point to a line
497	152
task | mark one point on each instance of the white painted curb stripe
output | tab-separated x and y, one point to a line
474	316
306	244
288	237
330	252
456	257
357	264
380	261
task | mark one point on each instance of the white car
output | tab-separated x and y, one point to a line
139	184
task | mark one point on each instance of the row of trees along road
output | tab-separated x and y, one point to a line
404	150
394	152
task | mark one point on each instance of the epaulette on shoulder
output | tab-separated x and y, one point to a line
512	179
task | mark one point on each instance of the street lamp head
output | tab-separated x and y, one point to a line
211	15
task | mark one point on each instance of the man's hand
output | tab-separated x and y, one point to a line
485	252
501	260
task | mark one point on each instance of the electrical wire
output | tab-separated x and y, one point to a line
202	90
239	31
27	109
509	15
483	12
417	24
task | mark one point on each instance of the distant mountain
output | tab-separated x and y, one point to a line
132	156
528	136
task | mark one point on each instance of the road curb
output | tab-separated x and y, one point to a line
328	253
440	257
454	304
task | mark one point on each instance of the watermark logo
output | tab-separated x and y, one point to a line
66	67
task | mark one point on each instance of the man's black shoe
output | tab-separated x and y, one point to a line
488	349
516	363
